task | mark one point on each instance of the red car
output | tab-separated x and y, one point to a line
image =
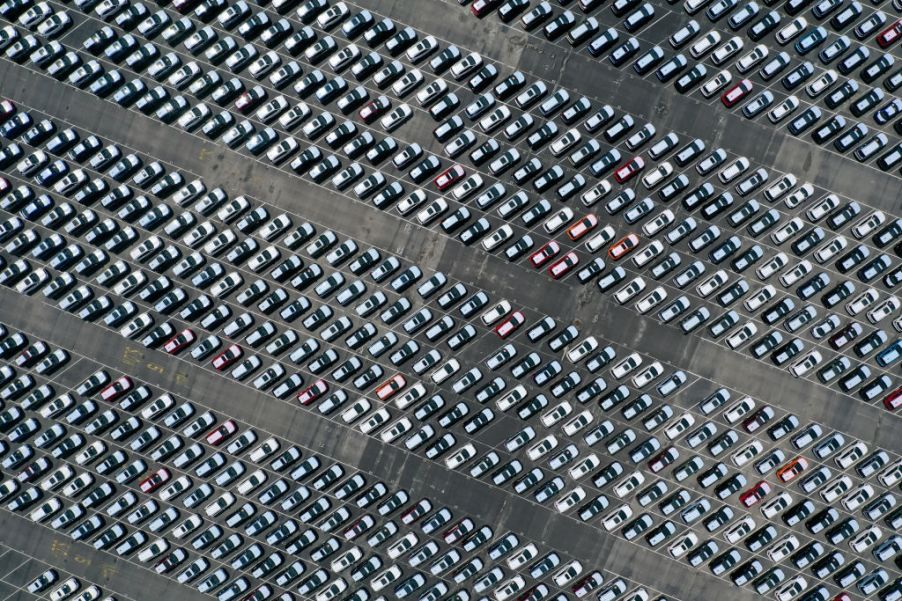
890	35
541	256
185	6
179	342
250	99
458	531
449	177
736	93
629	170
313	392
391	387
155	480
623	247
117	389
842	597
227	357
563	266
758	419
894	400
373	110
511	324
587	584
663	459
582	227
755	494
221	432
481	8
7	110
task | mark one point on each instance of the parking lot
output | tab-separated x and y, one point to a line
638	388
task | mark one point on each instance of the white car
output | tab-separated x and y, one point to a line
716	83
558	220
513	397
445	371
577	422
705	44
782	110
402	545
795	273
600	239
649	374
792	588
630	290
570	499
803	365
588	464
554	415
830	249
739	529
502	234
682	544
628	484
153	550
783	547
862	302
773	265
857	497
617	516
542	447
460	457
658	175
851	454
764	294
774	506
742	335
627	365
753	57
492	315
567	573
866	539
509	588
678	425
836	487
889	306
733	170
651	300
710	284
658	223
868	224
586	346
222	502
790	31
522	556
747	453
644	256
739	409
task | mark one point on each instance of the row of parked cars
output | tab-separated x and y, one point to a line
559	268
758	23
274	461
71	589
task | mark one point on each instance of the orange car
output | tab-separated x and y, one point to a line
582	227
792	469
623	247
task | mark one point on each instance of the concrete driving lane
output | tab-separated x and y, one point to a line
565	300
501	508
